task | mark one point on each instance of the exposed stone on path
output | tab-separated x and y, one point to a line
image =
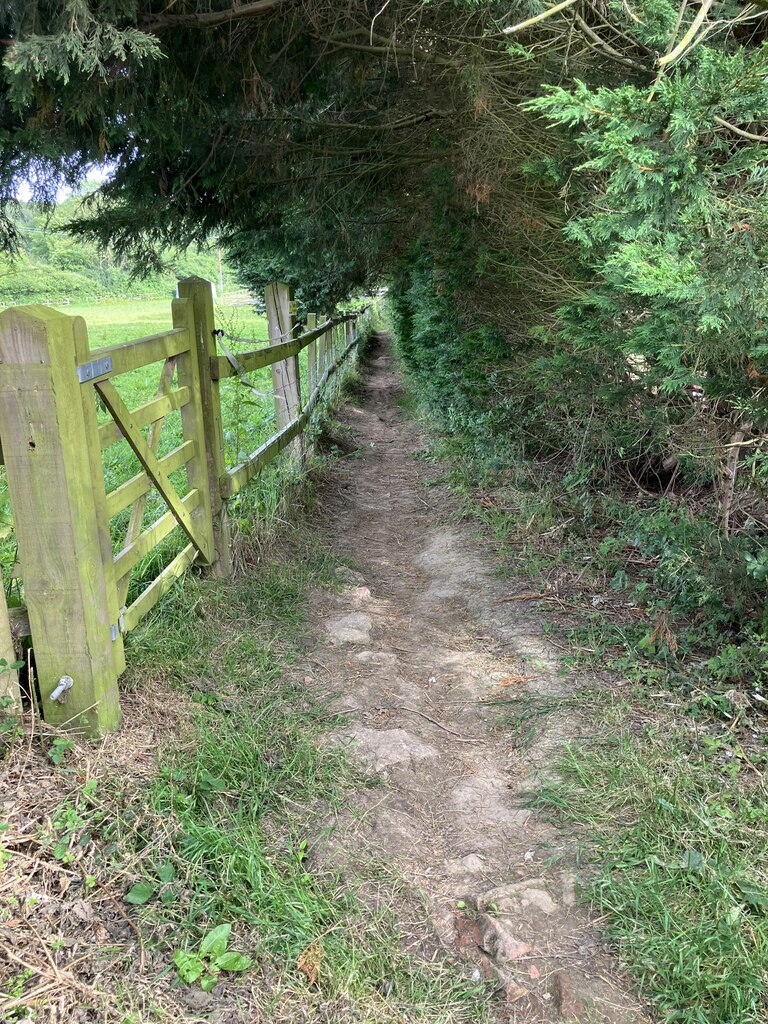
498	939
519	897
487	798
568	1004
472	864
354	628
382	658
349	576
513	992
569	889
389	747
420	691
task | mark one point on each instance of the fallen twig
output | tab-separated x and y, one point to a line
462	739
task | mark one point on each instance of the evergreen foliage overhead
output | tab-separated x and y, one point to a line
584	181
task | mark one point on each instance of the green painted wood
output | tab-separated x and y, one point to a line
258	358
55	481
312	352
131	355
322	348
98	493
285	375
158	588
240	475
10	695
193	427
151	537
136	520
130	491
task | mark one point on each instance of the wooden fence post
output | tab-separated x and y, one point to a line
9	678
57	494
285	374
311	355
322	349
93	446
193	427
200	292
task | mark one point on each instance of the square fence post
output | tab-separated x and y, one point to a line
285	374
311	355
323	346
200	292
56	485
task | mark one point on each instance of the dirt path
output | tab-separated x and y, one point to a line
416	645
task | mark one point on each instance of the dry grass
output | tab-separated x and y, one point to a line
68	941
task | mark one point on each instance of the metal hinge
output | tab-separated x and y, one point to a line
118	627
96	368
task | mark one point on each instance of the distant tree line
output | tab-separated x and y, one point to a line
50	264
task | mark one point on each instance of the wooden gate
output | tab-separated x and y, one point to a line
83	550
77	587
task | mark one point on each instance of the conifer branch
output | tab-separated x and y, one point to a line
605	46
693	28
511	29
752	136
208	19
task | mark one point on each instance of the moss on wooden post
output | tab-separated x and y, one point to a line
57	494
322	348
200	292
193	426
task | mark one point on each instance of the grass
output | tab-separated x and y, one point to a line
242	845
235	827
112	321
676	825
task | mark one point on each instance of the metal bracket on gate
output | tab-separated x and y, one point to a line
96	368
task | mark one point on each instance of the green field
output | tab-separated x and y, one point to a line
248	412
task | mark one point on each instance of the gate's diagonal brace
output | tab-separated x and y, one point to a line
122	415
139	506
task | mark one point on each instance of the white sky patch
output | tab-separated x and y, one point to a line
95	175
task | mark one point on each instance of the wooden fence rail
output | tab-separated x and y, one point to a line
54	393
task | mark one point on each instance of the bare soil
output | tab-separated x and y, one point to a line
433	666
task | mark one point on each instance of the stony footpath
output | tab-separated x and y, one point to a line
434	663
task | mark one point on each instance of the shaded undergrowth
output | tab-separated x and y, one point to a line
666	797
